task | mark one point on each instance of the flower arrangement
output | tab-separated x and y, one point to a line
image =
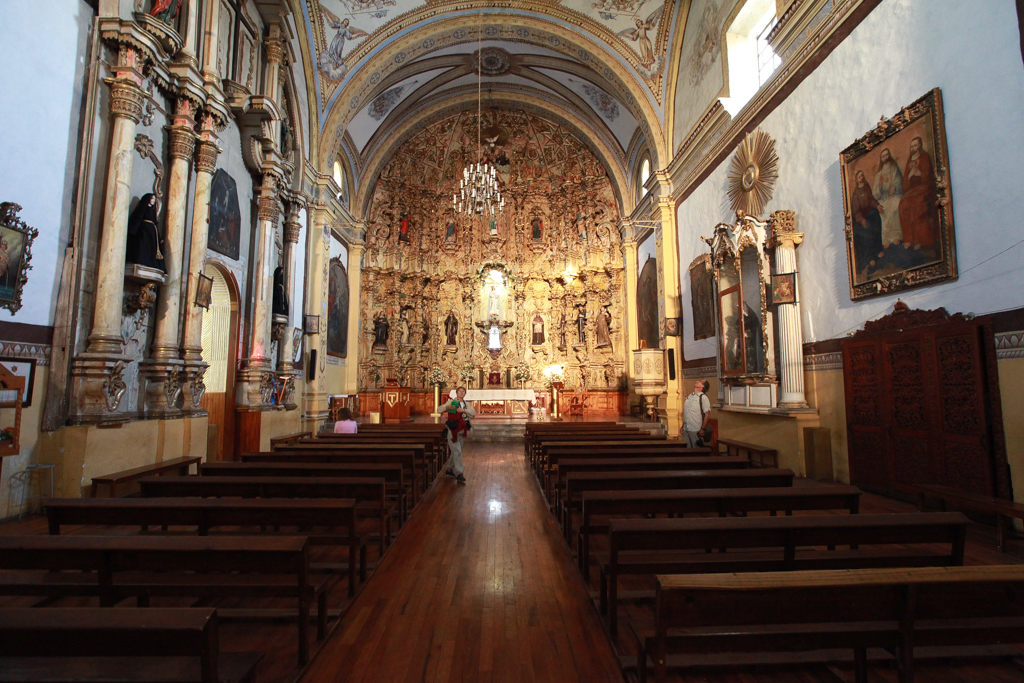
467	374
553	373
436	376
522	372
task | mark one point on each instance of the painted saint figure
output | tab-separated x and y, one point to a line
604	332
867	226
380	330
451	329
337	47
888	190
918	214
538	330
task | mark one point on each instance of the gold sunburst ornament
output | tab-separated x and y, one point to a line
753	173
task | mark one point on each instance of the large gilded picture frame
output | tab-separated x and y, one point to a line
16	239
898	204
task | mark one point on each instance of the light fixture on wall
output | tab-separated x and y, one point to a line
478	188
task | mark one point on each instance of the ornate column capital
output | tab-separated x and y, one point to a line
782	226
206	156
181	142
268	208
126	99
275	47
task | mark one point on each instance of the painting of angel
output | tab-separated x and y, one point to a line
639	36
332	63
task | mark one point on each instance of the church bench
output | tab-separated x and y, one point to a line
288	439
368	492
641	464
587	444
211	567
594	434
895	609
392	473
433	443
421	470
407	459
179	466
158	645
705	501
577	483
763	454
770	544
657	449
569	429
1004	510
210	513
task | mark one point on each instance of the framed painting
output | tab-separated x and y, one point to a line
311	324
22	367
225	216
15	255
784	288
702	300
204	291
337	309
898	203
297	344
648	324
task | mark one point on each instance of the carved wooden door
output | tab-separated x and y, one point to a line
920	408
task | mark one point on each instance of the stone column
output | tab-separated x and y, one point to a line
292	228
192	348
355	283
211	52
791	369
98	384
668	262
629	257
187	53
162	369
314	394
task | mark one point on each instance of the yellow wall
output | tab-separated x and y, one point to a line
277	423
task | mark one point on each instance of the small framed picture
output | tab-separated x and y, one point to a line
22	367
671	327
311	324
784	288
297	344
204	291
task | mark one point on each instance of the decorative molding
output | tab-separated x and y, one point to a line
40	353
823	361
1009	345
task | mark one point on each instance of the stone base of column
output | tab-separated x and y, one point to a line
793	408
97	389
193	387
163	379
255	389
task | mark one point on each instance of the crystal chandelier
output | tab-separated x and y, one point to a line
478	188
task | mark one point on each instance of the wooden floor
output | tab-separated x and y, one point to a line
479	586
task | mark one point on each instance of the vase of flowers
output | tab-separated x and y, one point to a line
522	373
436	377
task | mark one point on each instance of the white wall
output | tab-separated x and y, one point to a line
43	50
899	52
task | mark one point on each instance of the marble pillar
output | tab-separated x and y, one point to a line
211	45
163	369
98	383
255	378
791	367
193	386
314	393
187	53
292	228
355	284
668	263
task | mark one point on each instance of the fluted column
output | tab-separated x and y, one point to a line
791	367
192	348
211	51
187	53
98	384
314	394
668	262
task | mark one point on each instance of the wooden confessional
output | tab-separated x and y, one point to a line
922	404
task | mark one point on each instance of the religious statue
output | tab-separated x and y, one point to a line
581	324
451	232
403	228
538	331
494	227
426	330
380	330
537	228
604	332
451	329
279	304
561	331
403	329
494	302
143	245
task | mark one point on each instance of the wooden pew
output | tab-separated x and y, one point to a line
179	466
210	513
536	451
434	443
570	465
895	609
751	450
706	501
393	473
586	444
420	471
654	449
368	492
568	429
281	441
136	645
1004	510
676	546
117	567
579	482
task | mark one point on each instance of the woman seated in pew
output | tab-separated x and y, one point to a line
345	424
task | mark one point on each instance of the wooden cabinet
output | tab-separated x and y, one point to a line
396	403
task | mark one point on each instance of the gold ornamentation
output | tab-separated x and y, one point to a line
126	99
206	156
114	386
268	209
753	173
10	221
181	142
146	149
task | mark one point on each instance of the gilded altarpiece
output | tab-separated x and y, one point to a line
540	284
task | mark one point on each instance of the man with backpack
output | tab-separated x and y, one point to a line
696	412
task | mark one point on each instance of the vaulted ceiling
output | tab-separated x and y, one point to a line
379	70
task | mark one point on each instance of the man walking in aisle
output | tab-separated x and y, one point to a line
458	414
696	411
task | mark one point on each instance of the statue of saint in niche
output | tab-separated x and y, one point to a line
561	331
537	229
581	324
403	328
451	329
604	332
451	232
493	227
538	331
494	302
380	330
403	228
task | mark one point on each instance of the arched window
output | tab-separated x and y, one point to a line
645	173
339	176
752	60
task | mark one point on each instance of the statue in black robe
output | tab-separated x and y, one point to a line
380	329
280	301
451	329
144	241
581	324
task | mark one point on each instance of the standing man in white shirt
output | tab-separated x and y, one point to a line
696	413
458	414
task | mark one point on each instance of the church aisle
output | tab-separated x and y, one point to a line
479	586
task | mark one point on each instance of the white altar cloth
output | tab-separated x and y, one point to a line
500	395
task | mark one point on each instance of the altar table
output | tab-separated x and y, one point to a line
501	402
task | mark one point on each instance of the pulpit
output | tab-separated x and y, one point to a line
396	403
